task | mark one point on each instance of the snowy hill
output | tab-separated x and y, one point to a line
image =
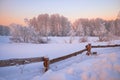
104	66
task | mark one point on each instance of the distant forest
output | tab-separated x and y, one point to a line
4	30
45	25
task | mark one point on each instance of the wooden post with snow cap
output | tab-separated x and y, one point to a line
88	47
46	63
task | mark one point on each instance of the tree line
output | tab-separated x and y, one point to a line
44	25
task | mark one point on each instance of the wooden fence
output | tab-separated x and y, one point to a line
22	61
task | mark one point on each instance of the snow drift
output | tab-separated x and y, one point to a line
102	67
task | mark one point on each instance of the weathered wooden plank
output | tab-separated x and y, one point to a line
12	62
104	46
66	56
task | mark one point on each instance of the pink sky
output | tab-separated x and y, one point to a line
14	11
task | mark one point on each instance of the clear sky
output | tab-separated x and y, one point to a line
14	11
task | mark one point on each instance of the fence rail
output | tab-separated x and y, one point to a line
22	61
105	46
66	56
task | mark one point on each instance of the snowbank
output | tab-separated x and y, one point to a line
102	67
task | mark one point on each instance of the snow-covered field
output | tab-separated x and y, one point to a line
104	66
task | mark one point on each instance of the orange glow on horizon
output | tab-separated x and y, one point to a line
8	19
14	11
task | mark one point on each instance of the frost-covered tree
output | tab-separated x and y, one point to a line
53	25
78	28
65	26
25	34
99	27
19	33
42	24
117	27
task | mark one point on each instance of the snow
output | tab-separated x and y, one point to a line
36	50
104	66
4	39
75	40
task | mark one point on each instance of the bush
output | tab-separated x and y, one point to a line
22	34
84	39
107	37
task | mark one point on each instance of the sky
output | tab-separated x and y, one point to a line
14	11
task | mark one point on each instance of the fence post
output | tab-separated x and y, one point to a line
46	63
88	47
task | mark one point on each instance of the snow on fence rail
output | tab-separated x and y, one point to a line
12	62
